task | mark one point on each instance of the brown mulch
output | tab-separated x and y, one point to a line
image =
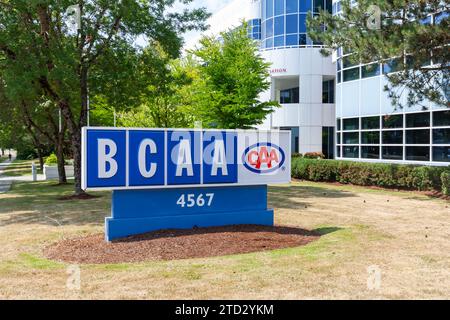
179	244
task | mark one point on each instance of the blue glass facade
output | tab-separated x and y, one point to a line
284	22
254	29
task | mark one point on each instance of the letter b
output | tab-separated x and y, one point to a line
107	149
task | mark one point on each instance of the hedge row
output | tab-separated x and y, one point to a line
373	174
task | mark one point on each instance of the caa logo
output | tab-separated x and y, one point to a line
263	157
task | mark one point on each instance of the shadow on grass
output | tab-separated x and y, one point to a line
37	203
293	197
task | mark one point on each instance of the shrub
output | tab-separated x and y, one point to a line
314	155
297	155
51	160
445	181
372	174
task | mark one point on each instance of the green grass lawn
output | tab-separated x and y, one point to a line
404	234
20	168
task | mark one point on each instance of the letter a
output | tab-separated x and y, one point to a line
184	159
104	158
219	159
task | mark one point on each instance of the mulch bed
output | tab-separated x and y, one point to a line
179	244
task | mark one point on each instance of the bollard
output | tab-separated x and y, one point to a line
33	171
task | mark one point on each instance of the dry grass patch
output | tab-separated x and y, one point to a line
405	235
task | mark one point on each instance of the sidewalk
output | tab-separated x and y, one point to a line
6	182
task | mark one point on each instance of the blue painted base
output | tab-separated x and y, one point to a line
140	211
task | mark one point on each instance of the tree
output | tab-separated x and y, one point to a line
410	36
40	50
232	75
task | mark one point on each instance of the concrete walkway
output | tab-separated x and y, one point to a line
5	182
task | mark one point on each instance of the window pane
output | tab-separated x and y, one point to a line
418	153
302	23
349	62
415	120
302	39
279	25
393	137
351	74
338	124
394	121
305	5
370	70
289	95
269	43
393	65
351	137
351	124
441	154
292	23
338	152
338	140
292	40
441	136
370	123
269	28
278	41
441	118
291	6
279	7
318	5
351	152
370	137
393	153
417	136
269	8
370	152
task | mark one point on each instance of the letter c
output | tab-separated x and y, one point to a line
142	158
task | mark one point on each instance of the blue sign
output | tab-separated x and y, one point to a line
184	178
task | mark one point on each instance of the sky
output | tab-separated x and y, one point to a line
212	6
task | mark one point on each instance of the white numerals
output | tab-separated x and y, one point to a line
189	200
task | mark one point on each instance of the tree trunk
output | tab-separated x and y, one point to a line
41	158
61	161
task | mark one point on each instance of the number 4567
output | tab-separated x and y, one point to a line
189	200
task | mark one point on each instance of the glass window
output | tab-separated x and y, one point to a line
370	123
417	120
279	7
348	62
393	65
269	43
351	74
418	153
441	136
393	137
338	124
339	64
417	136
278	41
339	77
393	121
292	40
351	124
441	154
302	39
370	70
370	152
328	91
305	5
289	96
302	23
351	152
338	152
292	23
392	153
269	8
441	118
351	137
329	6
291	6
371	137
269	28
328	142
279	25
318	5
338	140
